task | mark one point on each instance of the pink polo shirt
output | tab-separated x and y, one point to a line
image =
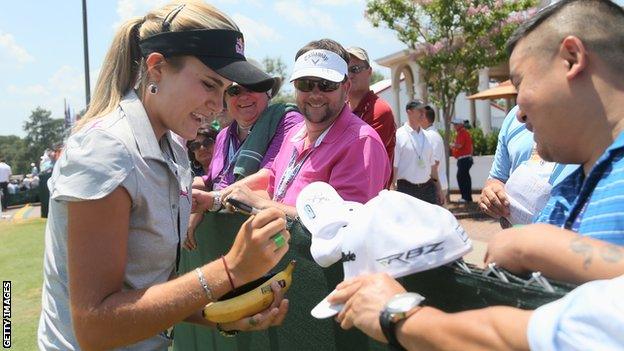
350	157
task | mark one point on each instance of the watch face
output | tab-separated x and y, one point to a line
404	302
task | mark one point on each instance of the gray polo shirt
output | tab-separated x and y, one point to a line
119	149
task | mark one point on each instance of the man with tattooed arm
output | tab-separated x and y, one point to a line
567	64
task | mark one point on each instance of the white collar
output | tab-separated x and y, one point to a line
412	130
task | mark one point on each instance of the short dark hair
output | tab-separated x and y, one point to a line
430	114
598	23
325	44
209	133
415	104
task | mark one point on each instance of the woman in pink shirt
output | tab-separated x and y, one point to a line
245	146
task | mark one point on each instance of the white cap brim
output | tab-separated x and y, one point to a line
323	73
325	310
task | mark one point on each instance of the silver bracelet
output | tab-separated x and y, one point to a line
204	284
216	202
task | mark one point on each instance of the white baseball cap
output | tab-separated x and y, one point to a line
393	233
322	64
457	120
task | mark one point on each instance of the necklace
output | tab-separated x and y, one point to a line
243	129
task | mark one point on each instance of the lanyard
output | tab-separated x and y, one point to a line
228	163
290	173
422	144
293	168
232	155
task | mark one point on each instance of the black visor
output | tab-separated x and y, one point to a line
222	50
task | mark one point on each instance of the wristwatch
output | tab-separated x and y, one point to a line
398	308
216	202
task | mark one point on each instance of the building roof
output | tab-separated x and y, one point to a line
502	91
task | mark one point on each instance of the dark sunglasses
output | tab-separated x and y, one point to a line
196	144
357	69
307	85
235	90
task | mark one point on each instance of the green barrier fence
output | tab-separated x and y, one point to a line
448	287
311	283
23	197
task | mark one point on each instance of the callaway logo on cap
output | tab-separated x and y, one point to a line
240	46
393	233
323	64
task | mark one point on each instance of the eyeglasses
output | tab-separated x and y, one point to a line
307	85
235	90
357	68
196	144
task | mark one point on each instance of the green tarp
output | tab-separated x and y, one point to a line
448	288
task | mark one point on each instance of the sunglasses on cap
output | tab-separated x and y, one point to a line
357	69
196	144
235	90
307	85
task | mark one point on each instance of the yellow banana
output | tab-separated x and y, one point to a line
250	302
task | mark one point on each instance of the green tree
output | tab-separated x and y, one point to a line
275	67
451	40
42	131
376	77
284	97
14	150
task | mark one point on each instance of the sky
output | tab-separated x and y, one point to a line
41	43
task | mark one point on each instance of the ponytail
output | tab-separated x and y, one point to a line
118	73
124	67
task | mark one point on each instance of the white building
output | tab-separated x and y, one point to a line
462	105
405	84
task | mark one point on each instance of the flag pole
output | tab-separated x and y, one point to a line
85	40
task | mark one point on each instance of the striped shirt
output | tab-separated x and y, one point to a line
592	206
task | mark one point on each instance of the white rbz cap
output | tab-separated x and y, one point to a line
393	233
321	64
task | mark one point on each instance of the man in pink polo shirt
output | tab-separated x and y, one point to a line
331	145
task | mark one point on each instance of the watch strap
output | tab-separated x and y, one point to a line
227	333
388	327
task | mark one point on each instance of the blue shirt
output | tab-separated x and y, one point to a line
591	317
592	206
515	144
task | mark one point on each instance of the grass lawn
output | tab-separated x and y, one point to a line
21	262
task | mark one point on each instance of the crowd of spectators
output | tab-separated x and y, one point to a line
17	189
272	152
573	206
23	183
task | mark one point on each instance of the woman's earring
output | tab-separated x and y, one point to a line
152	88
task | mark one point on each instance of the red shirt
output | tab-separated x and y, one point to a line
377	113
462	138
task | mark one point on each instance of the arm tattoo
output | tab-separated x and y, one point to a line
578	246
611	253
